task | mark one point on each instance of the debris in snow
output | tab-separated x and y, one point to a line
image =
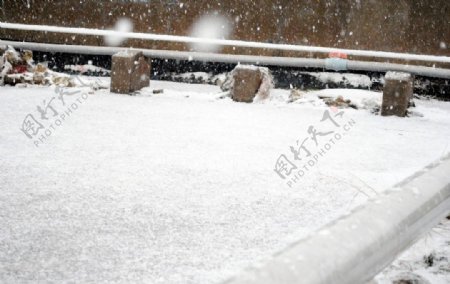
197	78
358	99
338	102
38	78
12	62
223	95
19	70
63	81
41	68
429	259
347	79
88	69
158	91
295	95
193	78
27	58
219	79
12	56
410	278
227	83
5	68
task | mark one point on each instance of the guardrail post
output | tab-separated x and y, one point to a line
130	72
397	92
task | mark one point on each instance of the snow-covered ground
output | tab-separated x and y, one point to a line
180	187
426	262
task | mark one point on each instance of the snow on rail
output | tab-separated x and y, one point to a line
357	247
224	42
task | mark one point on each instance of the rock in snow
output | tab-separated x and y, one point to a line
250	83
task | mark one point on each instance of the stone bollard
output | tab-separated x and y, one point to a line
250	83
397	93
130	72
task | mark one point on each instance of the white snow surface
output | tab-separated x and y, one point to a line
179	187
356	80
426	262
397	76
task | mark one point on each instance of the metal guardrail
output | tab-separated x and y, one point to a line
247	59
356	248
225	42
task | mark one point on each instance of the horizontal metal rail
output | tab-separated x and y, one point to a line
247	59
225	42
356	248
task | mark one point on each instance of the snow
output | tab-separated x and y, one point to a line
86	68
248	67
197	75
126	53
397	76
179	187
5	68
360	98
427	260
355	80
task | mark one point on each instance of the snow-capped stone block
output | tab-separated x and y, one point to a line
397	93
250	83
130	72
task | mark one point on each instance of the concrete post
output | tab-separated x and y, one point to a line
397	92
130	72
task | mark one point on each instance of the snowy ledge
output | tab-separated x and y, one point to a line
400	76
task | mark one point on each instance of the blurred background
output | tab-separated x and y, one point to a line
412	26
